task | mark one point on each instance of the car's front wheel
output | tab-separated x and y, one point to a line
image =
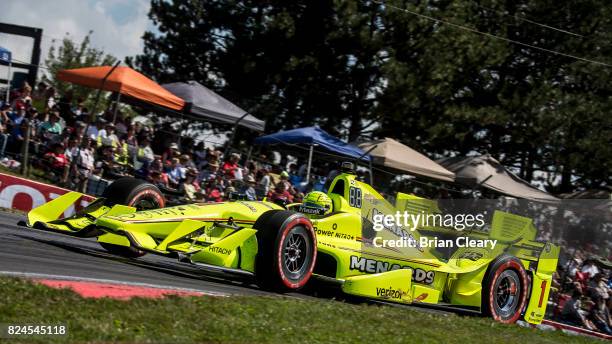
135	193
287	250
504	292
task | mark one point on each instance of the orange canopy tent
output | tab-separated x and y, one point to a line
123	80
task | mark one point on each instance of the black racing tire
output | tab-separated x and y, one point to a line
123	251
504	289
287	250
134	193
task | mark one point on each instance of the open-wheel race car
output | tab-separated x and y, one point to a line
329	237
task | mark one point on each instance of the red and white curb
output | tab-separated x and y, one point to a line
549	325
99	288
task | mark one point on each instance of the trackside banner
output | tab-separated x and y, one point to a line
23	194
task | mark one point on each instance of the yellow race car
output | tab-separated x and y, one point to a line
333	237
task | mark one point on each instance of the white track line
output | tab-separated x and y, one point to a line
31	275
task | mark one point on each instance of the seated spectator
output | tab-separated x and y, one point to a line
186	162
175	173
284	178
72	148
598	286
18	134
189	186
4	135
85	165
264	180
130	139
57	162
214	191
79	129
107	136
210	172
600	316
120	125
23	98
97	129
144	155
230	166
158	179
199	156
171	152
571	312
16	117
590	268
280	194
106	166
51	127
249	188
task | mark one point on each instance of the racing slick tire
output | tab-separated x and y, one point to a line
504	292
287	250
134	193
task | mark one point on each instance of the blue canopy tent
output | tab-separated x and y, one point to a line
313	137
6	57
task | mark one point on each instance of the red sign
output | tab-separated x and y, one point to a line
24	194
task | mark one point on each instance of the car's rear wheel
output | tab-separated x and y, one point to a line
287	250
505	289
135	193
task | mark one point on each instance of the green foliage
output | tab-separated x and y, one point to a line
364	69
70	54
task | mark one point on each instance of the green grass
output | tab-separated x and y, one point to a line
247	320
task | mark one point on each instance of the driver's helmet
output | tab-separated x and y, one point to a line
316	203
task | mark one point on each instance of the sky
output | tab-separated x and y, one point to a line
118	25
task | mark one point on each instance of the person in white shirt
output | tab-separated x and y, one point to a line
94	130
590	268
265	180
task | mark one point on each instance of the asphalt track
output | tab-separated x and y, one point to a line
39	254
33	252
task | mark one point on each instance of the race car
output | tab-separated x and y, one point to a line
331	237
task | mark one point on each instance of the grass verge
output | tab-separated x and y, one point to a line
246	320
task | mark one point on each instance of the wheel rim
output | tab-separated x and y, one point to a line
297	252
507	293
145	203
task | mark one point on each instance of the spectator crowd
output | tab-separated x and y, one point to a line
86	153
582	291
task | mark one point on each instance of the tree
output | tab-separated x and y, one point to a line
293	63
70	54
370	69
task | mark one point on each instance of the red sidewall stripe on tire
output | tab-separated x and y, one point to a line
157	196
287	227
517	267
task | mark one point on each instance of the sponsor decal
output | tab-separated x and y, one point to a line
252	208
334	234
220	250
390	293
373	266
421	297
25	195
310	210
